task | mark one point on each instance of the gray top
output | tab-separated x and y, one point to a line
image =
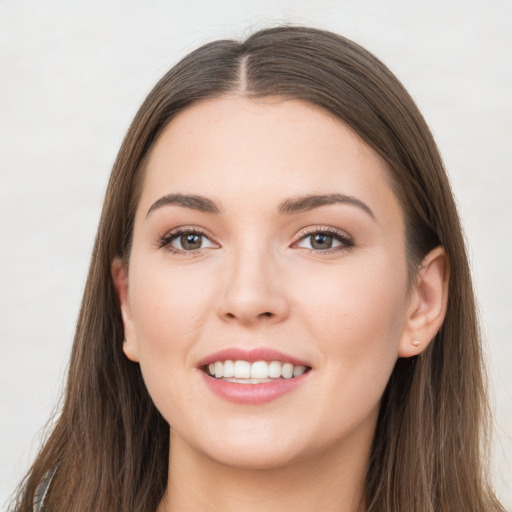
41	492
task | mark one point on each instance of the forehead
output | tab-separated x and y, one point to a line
265	149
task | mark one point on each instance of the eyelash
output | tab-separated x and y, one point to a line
346	241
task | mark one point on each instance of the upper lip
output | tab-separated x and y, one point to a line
251	355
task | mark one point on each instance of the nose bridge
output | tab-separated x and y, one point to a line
252	288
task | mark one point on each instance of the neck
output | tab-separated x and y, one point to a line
334	481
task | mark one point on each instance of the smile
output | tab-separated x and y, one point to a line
255	376
258	372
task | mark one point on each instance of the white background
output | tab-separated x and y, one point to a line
73	73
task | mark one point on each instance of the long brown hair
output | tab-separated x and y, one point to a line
109	448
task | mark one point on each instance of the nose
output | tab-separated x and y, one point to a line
252	290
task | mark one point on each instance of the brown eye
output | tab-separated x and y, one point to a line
321	241
191	241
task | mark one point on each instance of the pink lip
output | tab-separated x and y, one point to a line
256	354
252	394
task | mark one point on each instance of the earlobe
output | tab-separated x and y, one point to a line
120	278
130	350
428	303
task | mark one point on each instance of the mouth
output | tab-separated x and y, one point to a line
254	376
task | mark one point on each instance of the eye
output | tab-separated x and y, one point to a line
322	240
186	240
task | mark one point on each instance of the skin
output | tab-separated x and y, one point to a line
256	281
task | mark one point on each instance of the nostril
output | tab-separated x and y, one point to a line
267	313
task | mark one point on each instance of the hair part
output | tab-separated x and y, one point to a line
109	448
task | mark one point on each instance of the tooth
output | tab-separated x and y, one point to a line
259	370
229	369
219	369
274	370
298	370
287	370
242	370
255	372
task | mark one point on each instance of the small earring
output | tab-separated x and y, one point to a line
416	343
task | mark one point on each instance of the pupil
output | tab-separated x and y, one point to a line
320	241
191	241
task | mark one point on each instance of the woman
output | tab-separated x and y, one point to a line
279	276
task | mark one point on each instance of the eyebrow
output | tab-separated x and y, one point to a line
287	207
309	202
199	203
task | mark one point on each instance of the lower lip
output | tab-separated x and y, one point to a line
253	394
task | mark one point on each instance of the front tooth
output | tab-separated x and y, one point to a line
298	370
229	369
242	370
287	370
274	370
219	370
259	370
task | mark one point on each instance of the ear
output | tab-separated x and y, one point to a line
427	305
120	276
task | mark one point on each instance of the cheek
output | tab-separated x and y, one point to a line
356	319
357	314
371	287
166	307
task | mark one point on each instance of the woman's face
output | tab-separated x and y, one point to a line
267	232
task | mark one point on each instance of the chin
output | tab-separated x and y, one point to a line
254	448
255	457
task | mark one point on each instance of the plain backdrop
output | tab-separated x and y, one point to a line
73	73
